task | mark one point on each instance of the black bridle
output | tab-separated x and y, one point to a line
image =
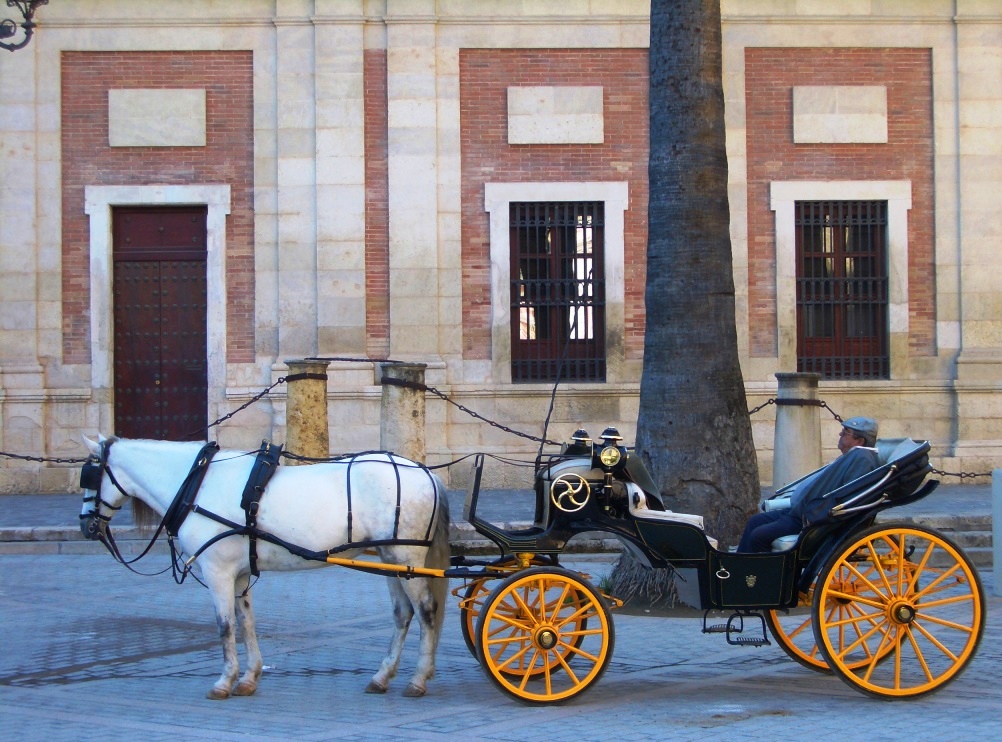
96	525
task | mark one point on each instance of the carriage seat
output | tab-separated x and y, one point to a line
638	509
888	451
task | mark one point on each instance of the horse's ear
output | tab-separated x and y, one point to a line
93	446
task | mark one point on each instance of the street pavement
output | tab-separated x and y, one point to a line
94	652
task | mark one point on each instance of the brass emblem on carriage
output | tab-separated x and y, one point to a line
569	492
750	580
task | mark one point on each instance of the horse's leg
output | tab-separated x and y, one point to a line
222	588
245	614
403	612
427	595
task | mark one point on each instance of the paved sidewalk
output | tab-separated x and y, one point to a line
93	652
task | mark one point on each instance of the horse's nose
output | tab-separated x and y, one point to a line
90	527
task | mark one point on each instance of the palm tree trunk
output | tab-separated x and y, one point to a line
694	432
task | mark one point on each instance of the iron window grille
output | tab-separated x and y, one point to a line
842	289
557	291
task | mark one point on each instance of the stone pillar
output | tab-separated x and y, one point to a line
997	529
306	431
797	442
402	414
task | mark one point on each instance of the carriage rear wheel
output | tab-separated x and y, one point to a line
794	630
544	635
914	611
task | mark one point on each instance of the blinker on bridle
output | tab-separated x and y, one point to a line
91	477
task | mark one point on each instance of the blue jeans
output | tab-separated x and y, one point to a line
764	528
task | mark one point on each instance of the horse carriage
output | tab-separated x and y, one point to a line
894	609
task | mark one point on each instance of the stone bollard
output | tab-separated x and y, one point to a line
997	530
797	441
306	432
402	414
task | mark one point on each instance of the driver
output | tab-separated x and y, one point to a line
857	442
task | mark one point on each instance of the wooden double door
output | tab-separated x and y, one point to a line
160	315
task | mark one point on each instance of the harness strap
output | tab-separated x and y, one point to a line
185	498
236	529
264	466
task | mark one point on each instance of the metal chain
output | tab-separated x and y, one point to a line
441	395
499	426
41	458
961	474
761	406
241	408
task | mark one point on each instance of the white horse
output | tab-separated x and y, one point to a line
393	502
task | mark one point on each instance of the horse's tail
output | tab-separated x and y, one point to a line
439	553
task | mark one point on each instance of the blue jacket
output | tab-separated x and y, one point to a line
851	465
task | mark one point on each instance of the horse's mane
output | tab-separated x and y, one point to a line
146	518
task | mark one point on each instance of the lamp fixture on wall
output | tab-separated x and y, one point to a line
8	27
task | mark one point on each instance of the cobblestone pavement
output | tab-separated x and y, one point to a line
93	652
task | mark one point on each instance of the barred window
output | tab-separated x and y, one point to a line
842	289
557	291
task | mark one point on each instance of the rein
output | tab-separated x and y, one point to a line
92	477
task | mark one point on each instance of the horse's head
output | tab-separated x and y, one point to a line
103	495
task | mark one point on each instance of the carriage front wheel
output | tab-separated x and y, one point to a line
914	611
551	626
478	590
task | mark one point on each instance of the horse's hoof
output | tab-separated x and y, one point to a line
374	687
412	691
217	694
244	689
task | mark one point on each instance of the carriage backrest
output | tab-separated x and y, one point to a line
892	449
910	460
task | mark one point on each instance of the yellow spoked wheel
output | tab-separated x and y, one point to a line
914	611
472	600
794	630
544	635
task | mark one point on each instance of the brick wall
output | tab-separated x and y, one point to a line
770	75
227	157
484	76
377	220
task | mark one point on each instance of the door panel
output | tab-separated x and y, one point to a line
161	379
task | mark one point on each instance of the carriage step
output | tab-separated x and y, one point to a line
720	628
749	641
736	625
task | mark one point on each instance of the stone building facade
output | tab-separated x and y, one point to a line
351	170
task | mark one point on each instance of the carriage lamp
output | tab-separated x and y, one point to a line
580	444
610	436
610	456
611	453
8	27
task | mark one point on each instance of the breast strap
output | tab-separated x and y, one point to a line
184	500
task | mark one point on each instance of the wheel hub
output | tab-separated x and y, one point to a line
546	637
902	612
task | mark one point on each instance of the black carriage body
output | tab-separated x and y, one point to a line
661	539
